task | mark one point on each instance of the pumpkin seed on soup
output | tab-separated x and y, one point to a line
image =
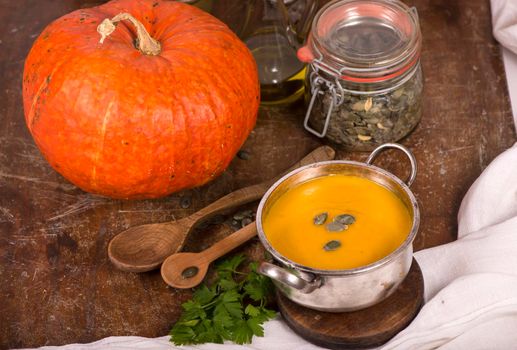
320	218
332	245
345	219
335	226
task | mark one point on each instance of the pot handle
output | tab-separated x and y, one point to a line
406	151
283	276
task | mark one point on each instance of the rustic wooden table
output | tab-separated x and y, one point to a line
57	285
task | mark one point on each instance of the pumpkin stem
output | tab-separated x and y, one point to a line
144	42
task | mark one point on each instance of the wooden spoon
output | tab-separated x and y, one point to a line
143	248
187	270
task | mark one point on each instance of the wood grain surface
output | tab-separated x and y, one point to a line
57	285
360	329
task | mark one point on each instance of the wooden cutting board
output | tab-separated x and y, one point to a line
361	329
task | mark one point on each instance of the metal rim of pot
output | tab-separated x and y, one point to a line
363	269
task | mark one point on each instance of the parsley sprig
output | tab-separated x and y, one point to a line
231	309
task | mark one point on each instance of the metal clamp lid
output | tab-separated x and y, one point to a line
319	86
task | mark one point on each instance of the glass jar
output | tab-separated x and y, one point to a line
364	80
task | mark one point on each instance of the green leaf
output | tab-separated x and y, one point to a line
255	291
228	284
181	335
223	322
223	319
228	310
252	311
190	323
253	266
208	334
258	288
193	310
230	264
267	314
224	333
234	309
264	315
204	295
256	326
242	333
189	305
231	296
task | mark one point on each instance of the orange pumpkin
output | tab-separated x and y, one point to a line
162	104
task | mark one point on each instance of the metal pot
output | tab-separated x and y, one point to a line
351	289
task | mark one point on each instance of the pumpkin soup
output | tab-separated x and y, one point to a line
337	222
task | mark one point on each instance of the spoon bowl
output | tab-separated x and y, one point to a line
187	270
184	270
144	247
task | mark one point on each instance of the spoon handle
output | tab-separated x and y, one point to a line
251	193
229	243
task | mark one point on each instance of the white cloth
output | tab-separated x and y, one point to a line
470	284
504	20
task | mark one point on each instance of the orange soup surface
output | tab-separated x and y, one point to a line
293	224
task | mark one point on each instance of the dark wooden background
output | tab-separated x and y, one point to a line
56	283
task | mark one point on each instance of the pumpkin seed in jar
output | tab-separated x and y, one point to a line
398	93
368	104
358	106
381	126
362	122
345	219
336	227
332	245
320	218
